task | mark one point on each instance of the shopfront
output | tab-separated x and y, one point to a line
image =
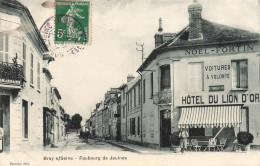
218	95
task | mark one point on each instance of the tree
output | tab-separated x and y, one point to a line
75	121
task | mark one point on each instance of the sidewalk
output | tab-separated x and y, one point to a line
137	148
61	144
145	150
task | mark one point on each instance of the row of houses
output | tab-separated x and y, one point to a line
205	79
31	115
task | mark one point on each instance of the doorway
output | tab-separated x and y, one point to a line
165	127
5	121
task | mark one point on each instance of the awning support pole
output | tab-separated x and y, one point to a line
219	132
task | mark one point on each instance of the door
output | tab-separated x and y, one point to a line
1	126
5	121
165	127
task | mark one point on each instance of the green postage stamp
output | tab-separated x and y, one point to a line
73	21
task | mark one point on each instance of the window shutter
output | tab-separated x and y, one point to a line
243	74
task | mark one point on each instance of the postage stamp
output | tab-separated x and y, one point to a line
73	21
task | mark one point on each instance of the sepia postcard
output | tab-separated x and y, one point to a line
130	82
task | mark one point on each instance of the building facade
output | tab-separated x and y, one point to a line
24	79
133	114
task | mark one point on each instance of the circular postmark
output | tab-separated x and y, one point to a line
60	49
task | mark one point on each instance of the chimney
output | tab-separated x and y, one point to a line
107	96
130	78
195	32
158	36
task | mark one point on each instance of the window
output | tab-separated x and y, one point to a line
143	90
24	60
124	94
151	79
130	99
123	110
4	47
196	131
138	125
165	77
239	74
245	120
31	70
38	76
132	126
134	97
196	76
139	94
25	119
1	117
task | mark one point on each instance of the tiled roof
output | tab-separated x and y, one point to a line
212	33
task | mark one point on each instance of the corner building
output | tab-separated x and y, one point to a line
22	57
205	79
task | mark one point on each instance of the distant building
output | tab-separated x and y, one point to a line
133	113
123	109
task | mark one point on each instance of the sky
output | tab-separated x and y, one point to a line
117	25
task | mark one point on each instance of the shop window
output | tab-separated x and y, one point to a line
208	131
138	125
196	76
196	132
25	119
165	77
132	126
4	47
239	74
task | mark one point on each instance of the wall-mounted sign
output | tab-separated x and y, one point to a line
216	72
208	99
216	88
220	50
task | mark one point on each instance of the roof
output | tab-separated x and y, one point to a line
213	33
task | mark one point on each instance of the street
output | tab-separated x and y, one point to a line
75	143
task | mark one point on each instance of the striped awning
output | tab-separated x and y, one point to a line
211	116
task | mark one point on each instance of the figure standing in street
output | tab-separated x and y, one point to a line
87	133
183	139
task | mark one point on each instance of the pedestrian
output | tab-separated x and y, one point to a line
183	135
87	133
